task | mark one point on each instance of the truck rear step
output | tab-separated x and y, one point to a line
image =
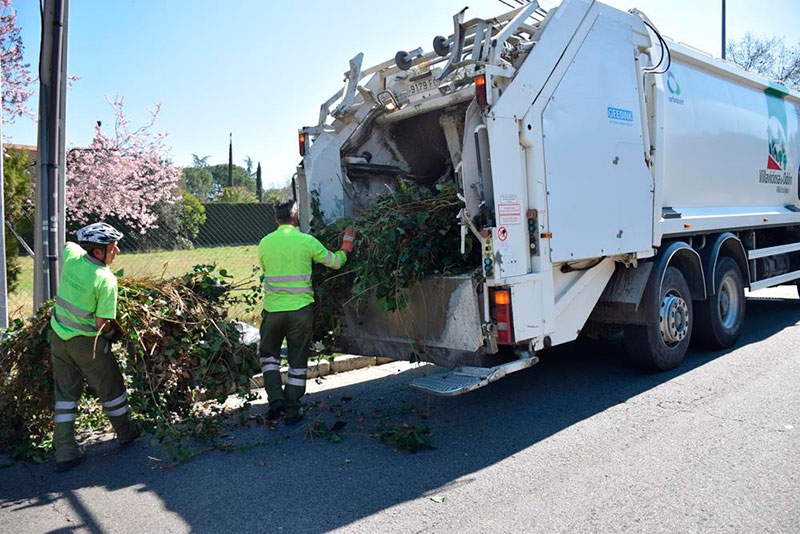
466	378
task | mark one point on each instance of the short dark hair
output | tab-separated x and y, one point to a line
89	247
285	211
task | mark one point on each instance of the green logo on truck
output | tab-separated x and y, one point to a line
776	130
674	89
777	161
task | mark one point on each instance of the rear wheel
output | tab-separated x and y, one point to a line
661	344
720	318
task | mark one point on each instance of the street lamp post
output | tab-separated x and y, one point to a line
723	29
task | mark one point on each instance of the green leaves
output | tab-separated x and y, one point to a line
403	437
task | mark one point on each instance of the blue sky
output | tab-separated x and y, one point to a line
261	68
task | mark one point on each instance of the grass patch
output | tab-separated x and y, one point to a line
238	261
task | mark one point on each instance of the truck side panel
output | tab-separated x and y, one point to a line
599	189
726	144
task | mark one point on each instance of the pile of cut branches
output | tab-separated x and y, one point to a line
178	348
407	235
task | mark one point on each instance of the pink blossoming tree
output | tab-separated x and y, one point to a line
16	74
124	174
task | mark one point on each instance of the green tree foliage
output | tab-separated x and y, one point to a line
177	225
194	215
197	161
19	199
273	195
237	195
198	181
240	177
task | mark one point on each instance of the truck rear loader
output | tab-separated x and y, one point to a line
614	180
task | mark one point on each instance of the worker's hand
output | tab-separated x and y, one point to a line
112	331
347	240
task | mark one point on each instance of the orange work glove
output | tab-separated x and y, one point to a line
347	240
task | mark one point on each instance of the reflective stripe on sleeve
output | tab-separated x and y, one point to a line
122	398
66	405
76	311
271	367
270	359
118	411
332	260
64	417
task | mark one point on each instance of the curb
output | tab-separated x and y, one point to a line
320	367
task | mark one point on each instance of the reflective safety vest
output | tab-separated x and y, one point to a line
286	256
86	290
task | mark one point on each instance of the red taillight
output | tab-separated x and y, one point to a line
480	90
502	316
302	140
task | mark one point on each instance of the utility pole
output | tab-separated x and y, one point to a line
723	29
50	205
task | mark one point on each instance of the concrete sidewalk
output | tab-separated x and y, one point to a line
322	367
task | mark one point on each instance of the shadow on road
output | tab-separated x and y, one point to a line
284	479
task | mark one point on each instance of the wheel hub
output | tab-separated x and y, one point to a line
729	303
673	319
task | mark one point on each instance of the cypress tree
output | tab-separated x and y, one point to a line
259	183
230	161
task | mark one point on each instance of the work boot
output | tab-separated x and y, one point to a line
129	438
62	467
275	411
294	419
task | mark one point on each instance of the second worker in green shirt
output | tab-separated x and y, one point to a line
286	256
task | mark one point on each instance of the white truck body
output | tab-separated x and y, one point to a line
602	159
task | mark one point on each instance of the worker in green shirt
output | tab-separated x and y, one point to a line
85	307
286	257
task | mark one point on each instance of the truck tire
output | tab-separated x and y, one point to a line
720	318
661	344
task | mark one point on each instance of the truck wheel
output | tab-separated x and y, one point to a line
661	344
720	318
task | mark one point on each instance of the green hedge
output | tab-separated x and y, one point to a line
235	224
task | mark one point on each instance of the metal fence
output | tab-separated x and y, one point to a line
228	239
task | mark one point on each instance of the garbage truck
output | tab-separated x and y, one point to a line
616	182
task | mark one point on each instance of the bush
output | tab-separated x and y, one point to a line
194	215
19	198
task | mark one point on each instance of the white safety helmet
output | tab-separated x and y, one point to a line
99	233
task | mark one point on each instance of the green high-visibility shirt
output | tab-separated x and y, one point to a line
286	256
86	290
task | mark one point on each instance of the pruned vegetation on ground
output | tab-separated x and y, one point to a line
178	349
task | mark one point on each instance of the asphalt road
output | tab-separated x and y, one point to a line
581	442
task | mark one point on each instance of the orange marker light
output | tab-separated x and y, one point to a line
302	140
480	90
502	297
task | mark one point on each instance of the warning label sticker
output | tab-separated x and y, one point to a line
509	211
